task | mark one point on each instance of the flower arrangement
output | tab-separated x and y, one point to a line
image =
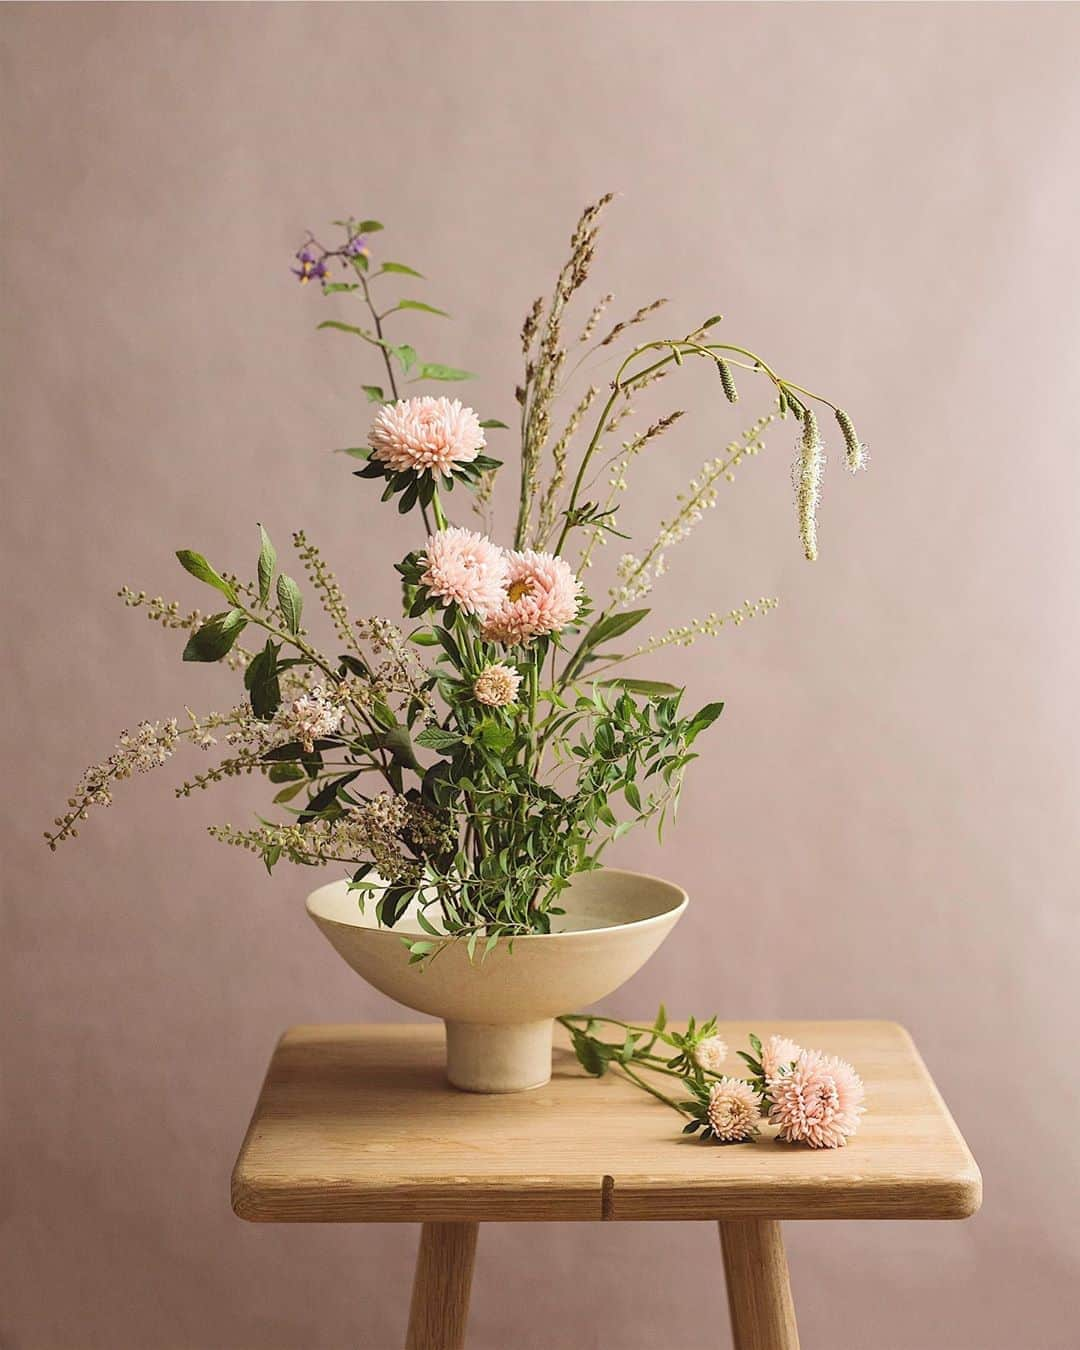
471	760
810	1097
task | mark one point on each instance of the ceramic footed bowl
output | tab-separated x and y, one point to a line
499	1011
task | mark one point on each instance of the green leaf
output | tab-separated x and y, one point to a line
435	371
614	625
702	719
215	638
290	602
358	452
419	304
261	682
652	688
374	395
197	565
288	793
400	745
400	267
436	738
332	287
267	563
406	355
491	422
368	227
347	328
286	773
496	736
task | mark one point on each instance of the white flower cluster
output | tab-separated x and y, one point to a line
309	718
638	575
687	634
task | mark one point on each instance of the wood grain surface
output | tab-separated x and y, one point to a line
357	1124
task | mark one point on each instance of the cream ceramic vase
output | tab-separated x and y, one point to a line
499	1012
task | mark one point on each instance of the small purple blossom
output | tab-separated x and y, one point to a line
311	268
356	247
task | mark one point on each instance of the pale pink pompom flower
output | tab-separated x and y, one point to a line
777	1053
542	596
711	1053
818	1102
733	1112
496	686
426	434
463	568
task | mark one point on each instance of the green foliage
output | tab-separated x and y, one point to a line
216	636
197	565
290	602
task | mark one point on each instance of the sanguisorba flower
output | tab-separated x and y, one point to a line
733	1113
464	568
496	686
778	1053
542	596
711	1053
818	1101
426	435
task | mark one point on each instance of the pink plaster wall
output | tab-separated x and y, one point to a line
884	197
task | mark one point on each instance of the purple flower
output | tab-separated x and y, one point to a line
356	247
311	268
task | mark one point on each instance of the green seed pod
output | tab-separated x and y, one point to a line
727	381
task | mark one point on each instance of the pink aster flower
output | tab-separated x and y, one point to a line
496	686
733	1113
777	1053
464	568
426	434
542	596
818	1102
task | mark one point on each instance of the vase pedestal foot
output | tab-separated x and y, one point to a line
481	1057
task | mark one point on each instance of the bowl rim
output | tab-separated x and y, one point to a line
666	916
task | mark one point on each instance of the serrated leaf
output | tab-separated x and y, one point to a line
290	602
434	371
215	638
197	565
267	563
436	738
419	304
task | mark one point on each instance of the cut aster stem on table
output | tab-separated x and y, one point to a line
811	1098
465	763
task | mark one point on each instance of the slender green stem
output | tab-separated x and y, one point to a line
654	1092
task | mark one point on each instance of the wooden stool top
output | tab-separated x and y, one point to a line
357	1124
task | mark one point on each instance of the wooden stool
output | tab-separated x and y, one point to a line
344	1131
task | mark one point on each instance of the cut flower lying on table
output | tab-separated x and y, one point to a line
810	1097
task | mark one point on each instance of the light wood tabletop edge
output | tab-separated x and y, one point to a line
261	1199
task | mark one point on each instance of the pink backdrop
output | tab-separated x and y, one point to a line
882	197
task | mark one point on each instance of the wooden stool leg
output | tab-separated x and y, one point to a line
440	1296
758	1290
